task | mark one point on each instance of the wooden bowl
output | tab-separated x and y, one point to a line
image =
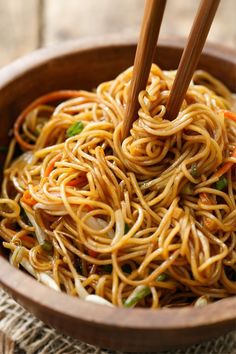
84	65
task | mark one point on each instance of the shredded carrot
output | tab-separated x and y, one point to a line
28	241
51	164
230	115
28	199
208	222
226	167
78	182
50	97
88	207
92	253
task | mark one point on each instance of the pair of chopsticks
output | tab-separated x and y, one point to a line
153	14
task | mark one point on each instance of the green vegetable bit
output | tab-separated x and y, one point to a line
194	170
127	228
221	183
138	294
47	246
162	277
75	129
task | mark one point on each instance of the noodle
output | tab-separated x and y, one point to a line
149	221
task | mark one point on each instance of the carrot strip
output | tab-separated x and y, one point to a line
28	199
226	167
78	182
230	115
51	164
52	96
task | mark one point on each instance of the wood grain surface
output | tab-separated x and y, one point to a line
27	24
74	66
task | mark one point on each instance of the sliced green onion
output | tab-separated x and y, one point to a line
138	294
162	277
221	183
127	228
75	129
47	246
194	170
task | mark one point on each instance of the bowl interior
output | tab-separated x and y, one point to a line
84	66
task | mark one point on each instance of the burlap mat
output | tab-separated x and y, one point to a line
21	332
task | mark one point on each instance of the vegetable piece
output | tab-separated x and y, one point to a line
138	294
40	234
28	199
98	300
162	277
80	181
194	170
51	164
230	115
75	129
226	167
47	246
201	301
221	183
127	228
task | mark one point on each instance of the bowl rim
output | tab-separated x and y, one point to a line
18	283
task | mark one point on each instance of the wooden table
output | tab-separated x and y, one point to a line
28	24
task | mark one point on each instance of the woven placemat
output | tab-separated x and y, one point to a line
21	332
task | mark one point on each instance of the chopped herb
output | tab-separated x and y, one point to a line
127	228
107	268
221	183
194	170
138	294
188	189
74	129
126	268
162	277
3	148
47	246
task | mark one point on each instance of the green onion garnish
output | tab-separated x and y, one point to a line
194	170
138	294
47	246
74	129
162	277
127	228
221	183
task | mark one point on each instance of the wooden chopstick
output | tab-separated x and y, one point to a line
191	55
152	18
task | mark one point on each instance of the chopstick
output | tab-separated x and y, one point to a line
152	18
191	55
